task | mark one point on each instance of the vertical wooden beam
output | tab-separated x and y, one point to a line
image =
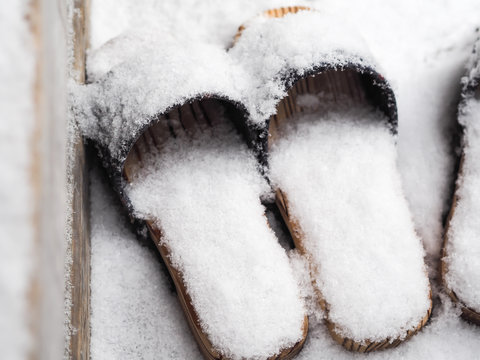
80	271
80	243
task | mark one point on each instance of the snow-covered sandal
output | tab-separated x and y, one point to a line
163	124
460	265
326	129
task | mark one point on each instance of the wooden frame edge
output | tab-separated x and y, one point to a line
79	342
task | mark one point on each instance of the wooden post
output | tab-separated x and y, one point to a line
79	346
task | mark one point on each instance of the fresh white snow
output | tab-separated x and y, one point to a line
422	47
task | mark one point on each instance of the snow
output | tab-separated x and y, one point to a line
463	248
204	193
366	258
17	64
422	48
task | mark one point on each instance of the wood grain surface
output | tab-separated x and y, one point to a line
80	227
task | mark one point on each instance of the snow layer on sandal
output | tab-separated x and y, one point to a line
134	81
271	47
139	75
204	195
463	247
338	171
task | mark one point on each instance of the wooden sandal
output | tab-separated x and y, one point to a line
189	119
453	270
354	82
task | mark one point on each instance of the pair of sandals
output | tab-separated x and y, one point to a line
321	122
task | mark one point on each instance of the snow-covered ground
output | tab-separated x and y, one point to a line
422	48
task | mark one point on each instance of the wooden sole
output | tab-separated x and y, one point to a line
349	344
468	313
189	118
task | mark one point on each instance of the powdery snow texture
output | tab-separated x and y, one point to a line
204	193
338	172
422	47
